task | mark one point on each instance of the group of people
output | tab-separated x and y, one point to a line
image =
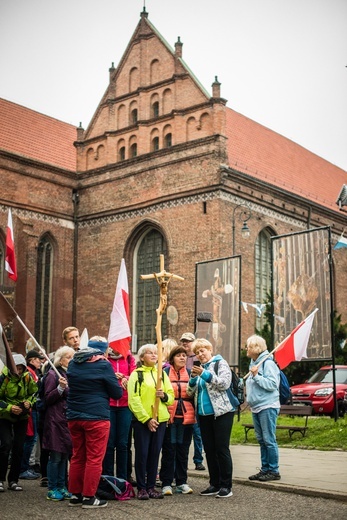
96	401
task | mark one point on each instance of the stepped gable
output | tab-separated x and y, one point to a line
36	136
267	156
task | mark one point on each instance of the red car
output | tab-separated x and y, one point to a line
318	391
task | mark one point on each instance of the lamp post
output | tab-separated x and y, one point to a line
245	215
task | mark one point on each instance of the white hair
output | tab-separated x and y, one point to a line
142	350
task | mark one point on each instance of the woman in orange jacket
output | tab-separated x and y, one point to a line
178	436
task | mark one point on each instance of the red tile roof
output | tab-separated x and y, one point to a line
36	136
261	153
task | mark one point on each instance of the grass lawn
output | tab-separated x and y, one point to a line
323	432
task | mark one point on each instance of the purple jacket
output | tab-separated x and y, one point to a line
56	435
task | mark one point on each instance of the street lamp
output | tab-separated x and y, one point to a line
245	215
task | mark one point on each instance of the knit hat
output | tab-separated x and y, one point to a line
98	345
19	359
188	336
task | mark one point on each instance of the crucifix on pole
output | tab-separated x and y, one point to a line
163	279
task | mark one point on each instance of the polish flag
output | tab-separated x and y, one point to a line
10	256
294	347
119	335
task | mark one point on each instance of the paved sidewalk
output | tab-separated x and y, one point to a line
309	472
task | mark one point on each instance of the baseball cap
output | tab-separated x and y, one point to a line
187	336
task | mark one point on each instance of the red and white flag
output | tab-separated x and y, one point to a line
119	335
10	256
294	347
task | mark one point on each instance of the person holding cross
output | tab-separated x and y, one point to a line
149	428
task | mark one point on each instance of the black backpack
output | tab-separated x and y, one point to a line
236	385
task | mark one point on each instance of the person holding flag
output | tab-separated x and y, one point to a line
262	390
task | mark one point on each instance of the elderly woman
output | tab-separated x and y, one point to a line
17	395
148	431
56	436
92	382
215	415
262	389
178	435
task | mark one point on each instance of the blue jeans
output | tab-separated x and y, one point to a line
265	431
197	457
120	420
57	470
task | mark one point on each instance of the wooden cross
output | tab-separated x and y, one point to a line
163	279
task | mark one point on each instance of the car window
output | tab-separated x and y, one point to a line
326	376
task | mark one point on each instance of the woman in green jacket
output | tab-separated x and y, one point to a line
17	396
148	432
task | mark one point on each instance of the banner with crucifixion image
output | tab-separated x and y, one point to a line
218	296
302	282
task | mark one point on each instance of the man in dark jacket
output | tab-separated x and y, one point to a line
92	383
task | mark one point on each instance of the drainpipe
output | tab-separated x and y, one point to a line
75	200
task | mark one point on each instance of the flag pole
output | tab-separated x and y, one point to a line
42	350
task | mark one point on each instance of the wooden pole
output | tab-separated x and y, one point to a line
163	279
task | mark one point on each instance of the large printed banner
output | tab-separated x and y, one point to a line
218	295
301	283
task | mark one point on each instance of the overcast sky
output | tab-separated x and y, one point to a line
281	63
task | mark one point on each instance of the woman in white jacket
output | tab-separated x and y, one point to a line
215	415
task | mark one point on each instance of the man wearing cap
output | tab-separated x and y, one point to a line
186	341
34	361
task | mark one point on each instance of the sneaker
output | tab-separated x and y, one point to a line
132	481
269	476
153	493
75	500
200	467
2	489
257	475
44	482
167	490
211	490
92	502
185	489
224	493
65	493
54	495
29	475
142	494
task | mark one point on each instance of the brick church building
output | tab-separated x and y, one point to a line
163	167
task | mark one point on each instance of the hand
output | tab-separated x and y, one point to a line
160	393
119	375
153	425
26	405
254	370
16	410
124	383
62	382
196	371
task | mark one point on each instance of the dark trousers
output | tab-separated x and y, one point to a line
12	438
147	450
175	453
215	433
120	419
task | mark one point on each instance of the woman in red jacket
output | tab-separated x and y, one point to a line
178	436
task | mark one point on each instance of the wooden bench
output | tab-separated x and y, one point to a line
292	410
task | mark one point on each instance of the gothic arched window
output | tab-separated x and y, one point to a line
147	260
44	296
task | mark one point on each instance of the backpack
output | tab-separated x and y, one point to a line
41	404
236	385
284	387
113	488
